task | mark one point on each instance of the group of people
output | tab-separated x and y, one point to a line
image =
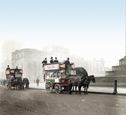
51	60
16	70
67	63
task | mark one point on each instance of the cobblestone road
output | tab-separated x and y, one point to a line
39	102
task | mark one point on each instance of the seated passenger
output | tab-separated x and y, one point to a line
44	62
51	60
56	61
7	67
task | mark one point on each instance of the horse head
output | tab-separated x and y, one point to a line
92	78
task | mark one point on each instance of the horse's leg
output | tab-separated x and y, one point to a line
84	89
76	89
79	88
87	88
69	88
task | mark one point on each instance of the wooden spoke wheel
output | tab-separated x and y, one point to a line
58	88
48	87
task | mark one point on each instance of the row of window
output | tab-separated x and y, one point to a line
18	56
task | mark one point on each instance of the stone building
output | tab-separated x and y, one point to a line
96	67
119	70
79	62
30	61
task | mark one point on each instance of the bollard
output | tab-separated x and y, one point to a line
115	87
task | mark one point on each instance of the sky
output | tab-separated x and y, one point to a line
89	28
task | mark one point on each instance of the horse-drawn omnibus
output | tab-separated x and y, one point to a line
14	78
56	78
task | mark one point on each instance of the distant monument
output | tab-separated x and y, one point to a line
120	70
117	74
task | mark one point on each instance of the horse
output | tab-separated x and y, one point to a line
77	82
87	82
26	82
17	83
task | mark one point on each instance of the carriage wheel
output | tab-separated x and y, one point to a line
58	88
48	87
9	86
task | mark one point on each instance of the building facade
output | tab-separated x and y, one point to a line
30	61
96	67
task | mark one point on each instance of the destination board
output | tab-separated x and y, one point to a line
51	67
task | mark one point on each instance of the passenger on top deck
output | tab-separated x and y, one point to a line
44	62
51	60
55	61
7	67
67	67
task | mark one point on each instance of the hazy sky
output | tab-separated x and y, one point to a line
89	28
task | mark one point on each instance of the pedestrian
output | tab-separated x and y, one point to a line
51	60
55	61
67	67
37	81
27	84
4	82
44	62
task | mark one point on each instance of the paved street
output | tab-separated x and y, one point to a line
40	102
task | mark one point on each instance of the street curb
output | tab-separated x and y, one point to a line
36	88
107	93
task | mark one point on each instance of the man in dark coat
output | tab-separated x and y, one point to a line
51	60
44	62
7	67
16	71
55	61
37	81
27	84
67	66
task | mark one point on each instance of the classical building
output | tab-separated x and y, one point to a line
30	61
96	67
79	62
